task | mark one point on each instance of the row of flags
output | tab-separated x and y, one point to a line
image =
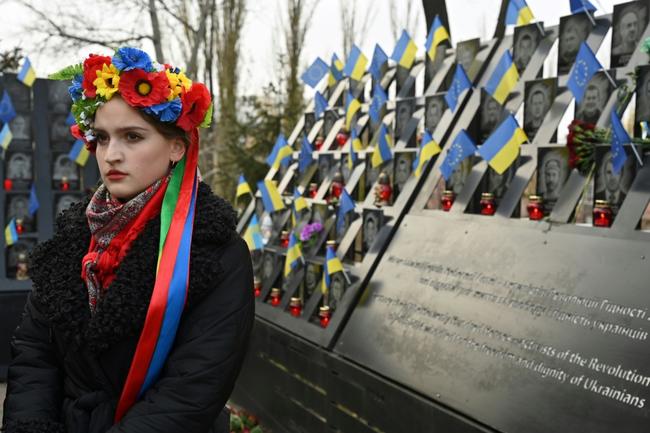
519	13
11	230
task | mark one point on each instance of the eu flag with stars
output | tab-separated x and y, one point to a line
581	6
379	59
305	158
379	98
583	69
619	138
346	204
462	147
33	201
320	104
460	83
7	111
315	72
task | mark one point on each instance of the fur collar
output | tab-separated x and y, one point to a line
61	293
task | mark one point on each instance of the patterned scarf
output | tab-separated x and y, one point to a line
114	225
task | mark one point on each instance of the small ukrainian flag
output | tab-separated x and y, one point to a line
356	65
332	266
294	254
281	153
351	107
5	136
336	71
437	35
518	13
299	203
382	152
270	196
502	147
355	145
253	235
79	153
27	74
503	79
242	187
405	50
428	150
11	233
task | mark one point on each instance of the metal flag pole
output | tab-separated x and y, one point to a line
591	18
540	28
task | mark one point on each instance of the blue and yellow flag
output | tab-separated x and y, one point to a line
79	153
270	196
645	129
242	187
428	149
332	266
581	6
437	34
294	255
356	65
315	73
379	59
620	137
281	153
502	147
336	71
33	201
253	235
320	105
354	145
7	111
518	13
405	50
352	105
459	84
70	120
383	150
584	68
11	233
299	203
5	136
346	204
27	74
503	79
306	155
462	148
379	98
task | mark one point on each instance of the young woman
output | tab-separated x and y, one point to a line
142	303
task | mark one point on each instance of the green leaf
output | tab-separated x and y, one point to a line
235	423
207	120
257	429
68	72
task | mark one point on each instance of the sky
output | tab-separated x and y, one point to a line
468	19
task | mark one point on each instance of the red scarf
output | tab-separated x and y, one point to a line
114	226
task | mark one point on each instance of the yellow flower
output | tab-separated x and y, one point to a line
107	81
177	82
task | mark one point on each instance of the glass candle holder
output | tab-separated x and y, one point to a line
535	208
295	306
448	198
275	296
324	314
602	215
487	204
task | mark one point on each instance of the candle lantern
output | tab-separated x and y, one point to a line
336	188
319	142
383	190
535	208
257	287
275	296
8	184
313	190
284	239
603	216
295	306
65	184
20	228
325	315
341	139
487	204
448	198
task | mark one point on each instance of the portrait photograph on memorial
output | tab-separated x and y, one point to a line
330	117
491	113
373	221
21	127
642	109
574	30
610	185
630	22
403	112
402	169
596	95
466	52
539	96
524	44
310	121
552	173
434	107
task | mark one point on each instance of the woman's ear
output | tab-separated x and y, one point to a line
177	149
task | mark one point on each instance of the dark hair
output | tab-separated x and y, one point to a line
166	129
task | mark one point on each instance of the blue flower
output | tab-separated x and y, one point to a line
76	90
167	111
128	58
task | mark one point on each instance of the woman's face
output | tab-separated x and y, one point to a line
131	153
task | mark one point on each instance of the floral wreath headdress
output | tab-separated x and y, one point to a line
165	93
159	90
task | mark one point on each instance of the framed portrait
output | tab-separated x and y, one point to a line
16	253
21	95
338	284
491	113
312	281
630	22
435	106
325	164
538	96
552	173
401	77
310	121
642	111
373	221
574	30
21	127
525	42
402	169
611	186
329	119
58	100
497	183
466	52
595	98
59	129
404	110
271	265
456	181
17	206
63	168
63	202
19	168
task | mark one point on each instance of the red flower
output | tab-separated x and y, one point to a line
79	135
143	89
93	64
576	130
196	102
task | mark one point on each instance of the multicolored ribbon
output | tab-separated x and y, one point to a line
172	279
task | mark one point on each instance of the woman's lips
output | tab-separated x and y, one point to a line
114	175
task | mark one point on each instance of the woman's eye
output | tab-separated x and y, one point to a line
102	139
132	136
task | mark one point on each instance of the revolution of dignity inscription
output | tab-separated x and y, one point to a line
539	334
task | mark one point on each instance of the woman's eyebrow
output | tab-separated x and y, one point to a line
124	129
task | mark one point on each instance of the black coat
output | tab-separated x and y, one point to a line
68	369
